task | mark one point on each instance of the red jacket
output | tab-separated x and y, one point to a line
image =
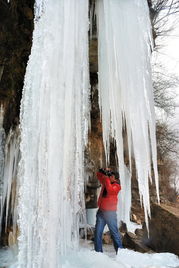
108	202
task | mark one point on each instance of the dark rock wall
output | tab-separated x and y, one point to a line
164	229
16	26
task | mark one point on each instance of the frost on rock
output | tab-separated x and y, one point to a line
54	115
125	89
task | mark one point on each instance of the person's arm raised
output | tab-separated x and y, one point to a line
101	177
111	188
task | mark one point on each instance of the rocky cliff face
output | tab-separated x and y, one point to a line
16	26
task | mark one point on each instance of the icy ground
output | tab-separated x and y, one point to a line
86	257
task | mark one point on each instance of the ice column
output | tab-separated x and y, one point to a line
124	199
54	114
125	87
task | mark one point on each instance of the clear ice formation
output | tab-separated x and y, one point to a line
125	90
54	129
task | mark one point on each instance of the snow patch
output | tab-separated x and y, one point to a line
86	258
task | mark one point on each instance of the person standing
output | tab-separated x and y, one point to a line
107	204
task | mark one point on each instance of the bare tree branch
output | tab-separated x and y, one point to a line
164	85
161	11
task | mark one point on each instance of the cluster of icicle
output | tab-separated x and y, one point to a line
125	90
54	128
55	114
9	159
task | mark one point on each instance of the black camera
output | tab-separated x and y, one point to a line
106	172
109	173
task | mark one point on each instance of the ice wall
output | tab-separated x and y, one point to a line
125	88
54	113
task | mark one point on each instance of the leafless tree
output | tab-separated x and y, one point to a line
164	8
167	148
167	140
160	12
164	85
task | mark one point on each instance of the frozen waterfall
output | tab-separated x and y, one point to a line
54	128
125	90
55	116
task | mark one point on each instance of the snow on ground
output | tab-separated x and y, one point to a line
86	257
125	259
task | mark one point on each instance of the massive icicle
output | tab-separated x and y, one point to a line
125	87
54	115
